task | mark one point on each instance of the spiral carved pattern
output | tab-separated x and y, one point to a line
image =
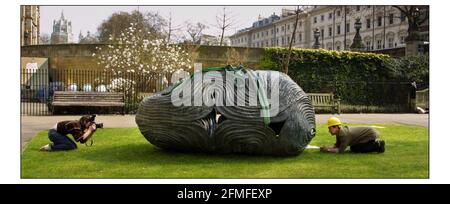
243	131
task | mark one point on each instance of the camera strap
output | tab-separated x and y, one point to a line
90	145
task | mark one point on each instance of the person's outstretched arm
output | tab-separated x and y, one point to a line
329	149
89	132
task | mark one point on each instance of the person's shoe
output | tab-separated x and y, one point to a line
46	147
381	148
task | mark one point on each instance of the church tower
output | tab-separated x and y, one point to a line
62	31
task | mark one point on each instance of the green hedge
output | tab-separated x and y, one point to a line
357	78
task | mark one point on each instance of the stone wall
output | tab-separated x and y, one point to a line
79	56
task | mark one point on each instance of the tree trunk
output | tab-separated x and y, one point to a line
286	64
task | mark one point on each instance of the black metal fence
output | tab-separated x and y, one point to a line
38	86
368	96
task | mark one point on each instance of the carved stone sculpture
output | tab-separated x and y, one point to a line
242	129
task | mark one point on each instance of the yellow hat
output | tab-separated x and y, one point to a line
334	121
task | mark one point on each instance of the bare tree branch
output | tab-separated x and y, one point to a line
224	22
286	63
195	30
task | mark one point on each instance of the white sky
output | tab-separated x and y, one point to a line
88	18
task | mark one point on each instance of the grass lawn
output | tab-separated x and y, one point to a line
124	153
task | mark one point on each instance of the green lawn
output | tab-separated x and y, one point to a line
124	153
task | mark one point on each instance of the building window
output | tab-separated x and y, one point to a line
338	13
402	40
315	19
338	47
367	45
253	36
368	23
300	23
391	18
299	37
288	27
338	29
358	8
368	7
379	21
267	33
322	18
257	35
330	31
347	27
390	42
271	31
282	28
282	41
277	30
322	33
378	44
330	15
267	43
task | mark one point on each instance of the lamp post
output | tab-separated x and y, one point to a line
316	36
357	44
413	39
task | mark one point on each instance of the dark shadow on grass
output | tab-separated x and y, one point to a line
147	153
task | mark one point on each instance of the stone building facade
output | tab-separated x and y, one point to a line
383	27
29	25
62	31
88	39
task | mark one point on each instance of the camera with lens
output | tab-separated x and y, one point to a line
92	119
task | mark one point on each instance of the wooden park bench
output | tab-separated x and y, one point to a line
325	100
88	99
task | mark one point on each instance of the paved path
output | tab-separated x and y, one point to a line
31	125
404	119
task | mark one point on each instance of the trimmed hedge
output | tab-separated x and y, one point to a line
357	78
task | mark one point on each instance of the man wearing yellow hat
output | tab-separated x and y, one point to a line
360	139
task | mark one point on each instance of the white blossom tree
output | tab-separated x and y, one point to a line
132	53
136	62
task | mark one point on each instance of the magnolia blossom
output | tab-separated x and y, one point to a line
130	52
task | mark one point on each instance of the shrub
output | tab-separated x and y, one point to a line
357	78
